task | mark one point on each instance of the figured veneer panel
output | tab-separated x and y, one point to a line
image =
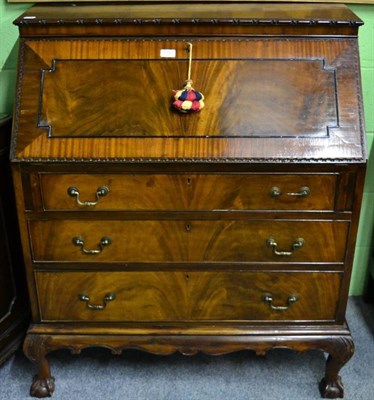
258	98
190	191
292	100
188	241
176	296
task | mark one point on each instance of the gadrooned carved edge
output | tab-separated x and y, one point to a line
188	21
197	160
21	68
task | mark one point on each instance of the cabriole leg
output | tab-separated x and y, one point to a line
331	386
35	350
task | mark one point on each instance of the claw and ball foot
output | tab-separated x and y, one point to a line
331	390
42	387
35	348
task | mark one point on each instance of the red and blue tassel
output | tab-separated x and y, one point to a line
188	99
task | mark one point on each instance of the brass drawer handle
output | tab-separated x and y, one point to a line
271	242
268	298
100	192
303	192
108	297
105	241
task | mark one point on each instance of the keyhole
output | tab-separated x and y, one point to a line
188	181
188	227
187	277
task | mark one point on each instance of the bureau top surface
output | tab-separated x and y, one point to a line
275	11
195	13
268	98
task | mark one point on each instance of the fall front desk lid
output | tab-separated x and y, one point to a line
107	97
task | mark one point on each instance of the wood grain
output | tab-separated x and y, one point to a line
175	296
188	240
192	191
31	142
205	10
100	98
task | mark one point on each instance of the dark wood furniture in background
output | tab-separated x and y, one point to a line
369	292
14	309
233	228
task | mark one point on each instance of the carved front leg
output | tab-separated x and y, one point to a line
35	350
331	386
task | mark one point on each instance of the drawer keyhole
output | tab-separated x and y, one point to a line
188	227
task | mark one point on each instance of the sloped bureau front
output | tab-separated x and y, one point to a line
102	98
283	95
226	229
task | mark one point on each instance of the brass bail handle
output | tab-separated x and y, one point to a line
272	243
276	192
108	297
268	298
104	241
100	192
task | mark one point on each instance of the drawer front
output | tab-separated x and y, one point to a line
188	241
188	191
182	296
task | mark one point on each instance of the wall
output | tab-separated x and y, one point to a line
8	53
365	237
8	60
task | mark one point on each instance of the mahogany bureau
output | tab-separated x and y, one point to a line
225	229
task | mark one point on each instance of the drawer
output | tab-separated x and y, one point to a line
182	296
188	191
188	241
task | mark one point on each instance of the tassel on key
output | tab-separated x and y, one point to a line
188	99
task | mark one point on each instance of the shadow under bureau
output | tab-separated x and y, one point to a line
220	230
